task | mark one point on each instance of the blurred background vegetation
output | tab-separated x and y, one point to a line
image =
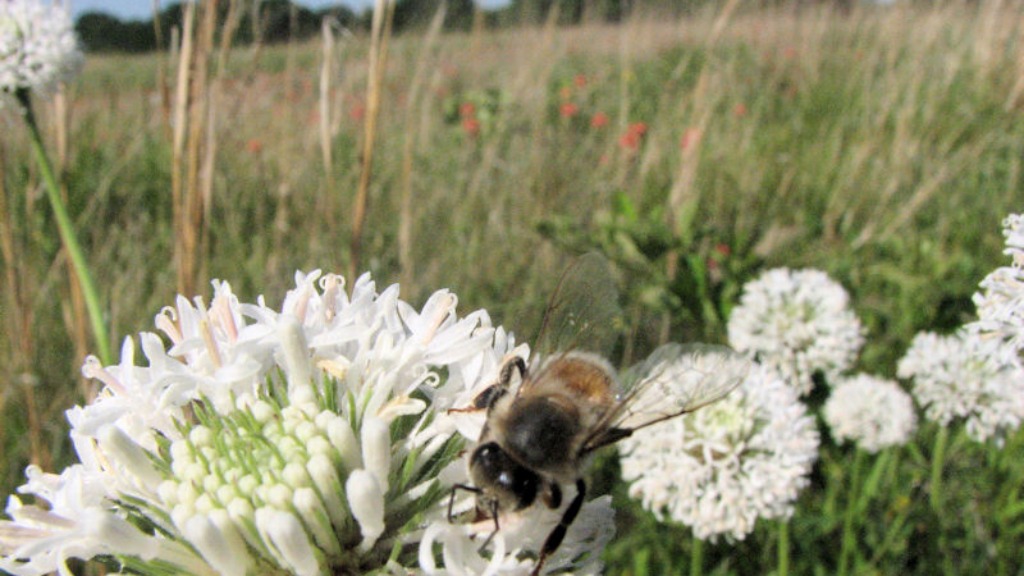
694	144
275	21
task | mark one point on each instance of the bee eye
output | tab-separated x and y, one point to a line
489	457
492	467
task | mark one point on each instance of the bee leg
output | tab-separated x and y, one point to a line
493	510
513	363
451	499
554	539
552	495
488	396
494	515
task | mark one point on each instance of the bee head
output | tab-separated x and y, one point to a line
501	479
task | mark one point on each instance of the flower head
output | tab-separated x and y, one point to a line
38	49
310	439
966	376
873	412
633	137
724	466
798	322
1001	303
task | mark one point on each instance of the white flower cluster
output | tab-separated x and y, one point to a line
870	411
1001	304
310	440
38	49
725	465
966	375
797	322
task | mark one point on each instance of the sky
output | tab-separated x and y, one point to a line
143	9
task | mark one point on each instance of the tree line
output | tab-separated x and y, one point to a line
273	21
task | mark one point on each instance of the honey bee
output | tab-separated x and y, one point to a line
539	435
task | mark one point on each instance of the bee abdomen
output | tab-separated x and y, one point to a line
541	432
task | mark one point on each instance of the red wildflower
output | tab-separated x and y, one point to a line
580	80
599	120
467	110
254	146
357	112
471	126
568	109
739	110
634	135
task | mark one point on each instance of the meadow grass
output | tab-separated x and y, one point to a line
882	146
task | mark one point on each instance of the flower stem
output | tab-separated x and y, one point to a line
783	551
697	557
67	231
853	496
938	455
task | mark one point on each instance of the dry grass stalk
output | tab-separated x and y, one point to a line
227	36
201	148
20	287
161	72
193	146
289	53
213	95
383	13
412	127
76	320
181	99
18	312
327	67
684	196
256	29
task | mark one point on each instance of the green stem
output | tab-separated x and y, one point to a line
938	455
849	540
783	551
67	231
697	557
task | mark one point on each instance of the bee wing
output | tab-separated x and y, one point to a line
674	380
583	312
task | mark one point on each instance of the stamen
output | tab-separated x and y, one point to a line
94	369
331	284
211	344
442	313
166	322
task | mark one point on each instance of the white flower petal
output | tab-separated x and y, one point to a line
219	543
286	534
366	500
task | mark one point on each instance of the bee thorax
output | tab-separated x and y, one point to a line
541	433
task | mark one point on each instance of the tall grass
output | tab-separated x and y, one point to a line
883	146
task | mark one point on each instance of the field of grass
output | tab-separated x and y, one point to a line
881	146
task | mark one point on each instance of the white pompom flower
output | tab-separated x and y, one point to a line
314	439
966	376
798	322
38	48
1001	302
872	412
721	468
